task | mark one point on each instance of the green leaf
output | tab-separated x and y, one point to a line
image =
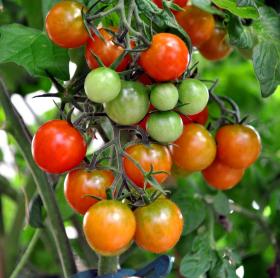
231	6
206	6
33	50
221	204
222	269
33	11
244	3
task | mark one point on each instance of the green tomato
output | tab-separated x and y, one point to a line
165	127
130	106
102	85
164	96
194	95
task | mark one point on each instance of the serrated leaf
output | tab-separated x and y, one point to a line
33	50
221	204
206	6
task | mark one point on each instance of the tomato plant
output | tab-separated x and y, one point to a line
181	3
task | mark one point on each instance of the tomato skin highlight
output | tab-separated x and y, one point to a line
238	146
221	176
65	26
195	150
58	147
159	226
154	155
109	227
197	23
81	182
166	59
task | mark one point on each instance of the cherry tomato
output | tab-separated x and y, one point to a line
217	47
65	26
145	79
79	183
154	155
102	85
143	123
197	23
158	226
195	150
238	146
166	59
109	227
58	147
165	127
107	51
199	118
221	176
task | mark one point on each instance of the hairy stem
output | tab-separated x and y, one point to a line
108	265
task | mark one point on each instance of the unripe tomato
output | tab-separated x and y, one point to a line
154	155
109	227
238	146
107	51
79	183
130	106
164	96
159	226
102	85
165	127
221	176
199	118
58	147
217	47
65	26
166	59
194	95
195	150
198	23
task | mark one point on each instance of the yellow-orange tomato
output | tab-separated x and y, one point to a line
159	226
109	227
79	183
221	176
195	150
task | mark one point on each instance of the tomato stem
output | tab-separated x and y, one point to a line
108	265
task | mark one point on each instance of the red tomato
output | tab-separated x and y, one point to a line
166	59
145	79
107	51
58	147
195	150
217	47
79	183
197	23
154	155
109	227
181	3
200	118
65	26
238	146
221	176
143	123
158	226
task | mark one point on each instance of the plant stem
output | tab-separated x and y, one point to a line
108	265
26	254
16	126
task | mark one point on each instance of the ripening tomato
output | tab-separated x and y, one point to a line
166	59
153	156
238	146
65	26
221	176
58	147
195	150
159	226
199	118
198	23
109	227
217	47
107	51
79	183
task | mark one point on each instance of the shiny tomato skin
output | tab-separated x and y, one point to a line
195	150
109	227
159	226
197	23
81	182
221	176
199	118
238	146
58	147
217	47
65	26
107	51
166	59
154	155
